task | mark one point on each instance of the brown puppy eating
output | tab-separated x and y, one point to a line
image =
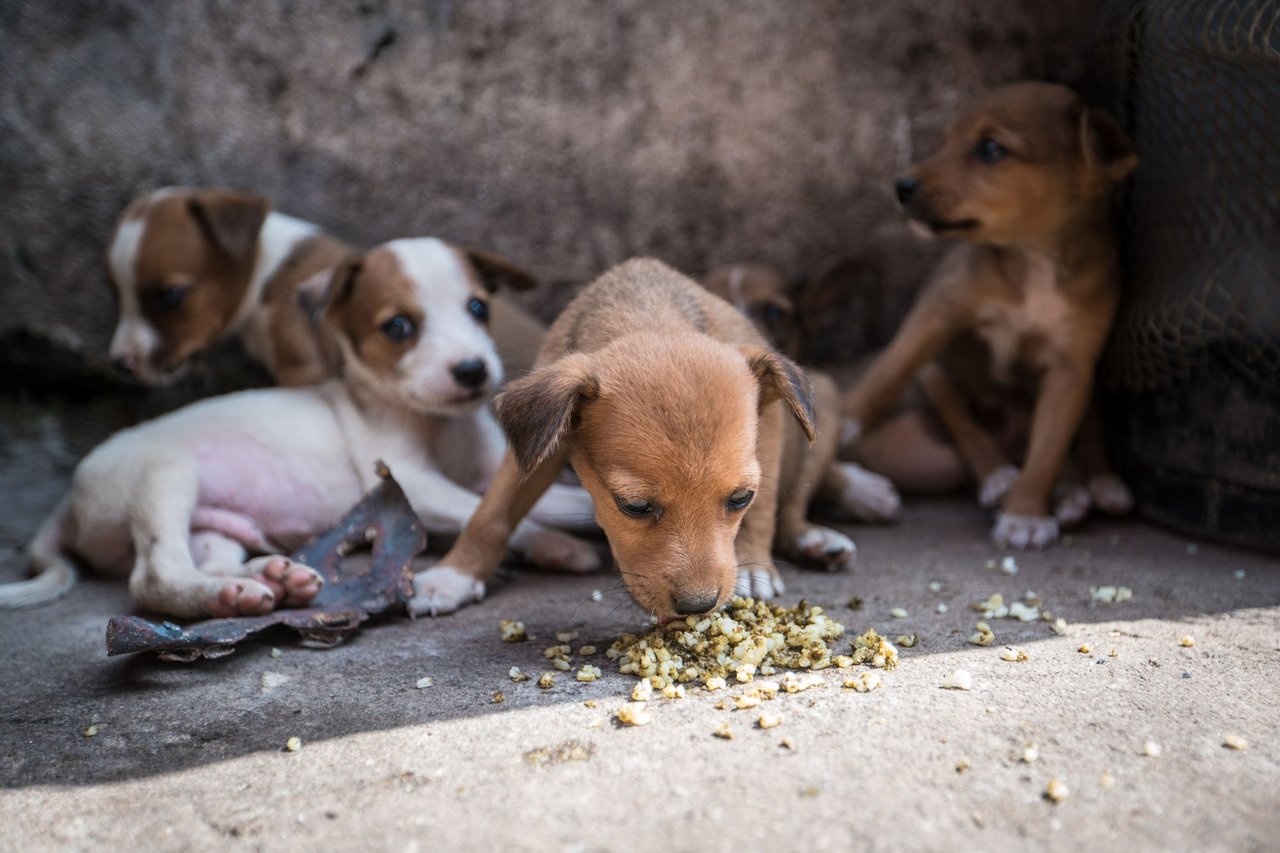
664	400
1022	307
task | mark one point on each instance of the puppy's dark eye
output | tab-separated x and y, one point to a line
167	297
990	151
773	312
635	508
479	309
398	328
740	499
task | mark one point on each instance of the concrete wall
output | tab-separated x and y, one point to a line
566	134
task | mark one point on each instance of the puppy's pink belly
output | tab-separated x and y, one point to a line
264	502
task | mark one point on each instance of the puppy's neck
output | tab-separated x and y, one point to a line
1082	243
279	236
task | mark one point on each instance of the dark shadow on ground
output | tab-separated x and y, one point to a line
154	717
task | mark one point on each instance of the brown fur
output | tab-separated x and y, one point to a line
1023	306
655	391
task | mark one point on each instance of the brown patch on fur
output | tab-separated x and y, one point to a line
491	271
205	243
366	291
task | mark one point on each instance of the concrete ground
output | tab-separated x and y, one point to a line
191	756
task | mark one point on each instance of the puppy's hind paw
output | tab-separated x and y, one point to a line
441	590
829	548
868	495
294	584
1073	507
759	582
1111	494
996	485
1025	531
551	549
242	597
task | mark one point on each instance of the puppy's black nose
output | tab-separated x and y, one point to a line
906	189
695	603
470	373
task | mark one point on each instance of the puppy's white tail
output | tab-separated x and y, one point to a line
54	573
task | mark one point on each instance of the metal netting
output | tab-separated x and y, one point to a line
1194	362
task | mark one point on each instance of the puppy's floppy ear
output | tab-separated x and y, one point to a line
1106	147
536	411
781	378
495	271
312	293
341	283
230	220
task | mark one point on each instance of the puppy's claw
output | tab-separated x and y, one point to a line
1073	507
996	485
832	549
441	590
868	495
1025	531
1111	494
759	582
551	549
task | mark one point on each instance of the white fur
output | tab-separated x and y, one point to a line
134	341
279	236
1025	531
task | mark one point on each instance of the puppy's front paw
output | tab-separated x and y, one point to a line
293	584
551	549
441	590
830	548
1111	494
760	582
1073	507
242	597
996	485
1025	531
868	495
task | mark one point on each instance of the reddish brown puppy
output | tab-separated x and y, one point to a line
1022	307
670	407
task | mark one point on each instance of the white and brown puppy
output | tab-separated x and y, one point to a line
670	406
180	502
190	267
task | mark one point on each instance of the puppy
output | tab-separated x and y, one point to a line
761	294
1021	308
189	267
666	402
180	502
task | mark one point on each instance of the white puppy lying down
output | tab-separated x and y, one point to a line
178	503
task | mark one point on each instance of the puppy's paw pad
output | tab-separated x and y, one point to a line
832	549
759	582
996	485
869	496
441	590
1073	506
293	583
1111	494
242	597
1025	531
550	549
